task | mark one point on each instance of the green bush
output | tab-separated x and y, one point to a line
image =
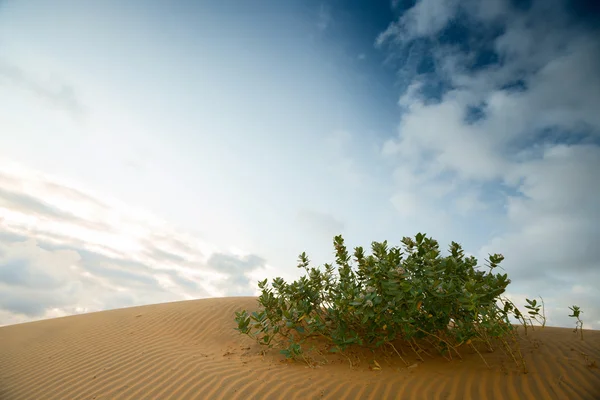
409	298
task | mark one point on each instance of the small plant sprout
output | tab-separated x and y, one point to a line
534	311
509	307
579	323
406	299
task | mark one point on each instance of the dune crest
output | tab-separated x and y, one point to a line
189	350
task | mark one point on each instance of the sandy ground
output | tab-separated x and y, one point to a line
189	350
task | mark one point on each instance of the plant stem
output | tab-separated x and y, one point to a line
393	347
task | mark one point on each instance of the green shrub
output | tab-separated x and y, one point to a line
410	297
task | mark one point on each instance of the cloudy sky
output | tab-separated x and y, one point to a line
185	150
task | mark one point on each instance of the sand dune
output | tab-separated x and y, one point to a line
189	350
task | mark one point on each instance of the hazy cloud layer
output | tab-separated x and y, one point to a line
54	91
56	263
323	224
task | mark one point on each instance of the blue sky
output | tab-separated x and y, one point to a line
183	150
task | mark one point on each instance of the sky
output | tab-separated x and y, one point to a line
182	150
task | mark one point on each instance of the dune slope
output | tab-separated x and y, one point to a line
189	350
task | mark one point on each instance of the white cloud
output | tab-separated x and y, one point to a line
537	144
554	225
25	265
439	131
426	18
99	254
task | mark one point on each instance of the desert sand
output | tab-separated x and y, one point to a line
189	350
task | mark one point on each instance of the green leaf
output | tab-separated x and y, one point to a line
255	316
419	238
286	353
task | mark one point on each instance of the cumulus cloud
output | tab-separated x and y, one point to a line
511	130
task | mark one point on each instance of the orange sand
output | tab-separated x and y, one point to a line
189	350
